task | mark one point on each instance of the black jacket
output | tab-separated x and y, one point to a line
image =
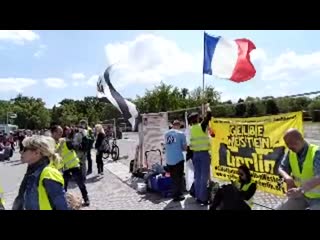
99	140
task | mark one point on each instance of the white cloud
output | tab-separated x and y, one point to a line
78	76
149	59
18	36
55	82
15	84
92	81
40	52
258	55
78	79
292	66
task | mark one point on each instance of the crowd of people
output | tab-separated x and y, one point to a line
54	157
300	169
60	154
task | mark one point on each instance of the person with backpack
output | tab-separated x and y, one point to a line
70	165
100	146
80	143
89	140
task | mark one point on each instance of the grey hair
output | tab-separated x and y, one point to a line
46	146
99	128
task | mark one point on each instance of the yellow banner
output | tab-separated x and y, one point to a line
257	142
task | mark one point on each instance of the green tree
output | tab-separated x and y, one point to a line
271	107
252	110
314	108
185	93
31	113
240	108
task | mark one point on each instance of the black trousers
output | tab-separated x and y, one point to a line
76	174
99	161
12	146
89	161
177	173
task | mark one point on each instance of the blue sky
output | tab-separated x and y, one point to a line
55	65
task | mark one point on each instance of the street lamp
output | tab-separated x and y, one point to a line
10	115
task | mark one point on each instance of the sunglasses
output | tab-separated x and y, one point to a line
28	149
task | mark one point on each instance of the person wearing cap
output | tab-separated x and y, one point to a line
89	139
200	146
175	144
80	146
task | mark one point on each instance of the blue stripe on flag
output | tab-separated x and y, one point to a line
210	44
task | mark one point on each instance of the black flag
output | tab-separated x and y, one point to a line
106	90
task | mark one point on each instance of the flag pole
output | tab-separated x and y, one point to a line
203	94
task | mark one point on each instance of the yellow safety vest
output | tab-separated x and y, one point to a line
2	196
69	157
90	133
199	140
52	174
245	188
307	170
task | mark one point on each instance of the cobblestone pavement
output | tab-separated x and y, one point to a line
262	200
108	192
115	191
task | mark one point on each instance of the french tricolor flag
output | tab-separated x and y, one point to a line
228	59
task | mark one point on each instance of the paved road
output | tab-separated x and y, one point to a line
109	192
114	191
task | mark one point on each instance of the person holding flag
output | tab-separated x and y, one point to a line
200	146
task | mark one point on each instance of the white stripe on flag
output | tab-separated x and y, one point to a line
127	108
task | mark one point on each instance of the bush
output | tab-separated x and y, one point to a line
314	110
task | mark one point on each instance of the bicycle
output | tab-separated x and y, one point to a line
115	152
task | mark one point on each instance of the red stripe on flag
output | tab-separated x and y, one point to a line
244	69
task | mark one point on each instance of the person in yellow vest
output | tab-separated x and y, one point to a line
1	198
200	146
238	195
246	185
300	170
42	185
89	139
70	162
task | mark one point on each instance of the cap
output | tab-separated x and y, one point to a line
176	122
194	114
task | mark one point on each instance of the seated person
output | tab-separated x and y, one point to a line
236	196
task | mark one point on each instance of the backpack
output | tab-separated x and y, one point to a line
104	147
85	144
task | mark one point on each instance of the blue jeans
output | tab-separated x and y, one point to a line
201	162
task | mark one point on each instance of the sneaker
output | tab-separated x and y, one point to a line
203	203
86	203
179	199
89	172
101	173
